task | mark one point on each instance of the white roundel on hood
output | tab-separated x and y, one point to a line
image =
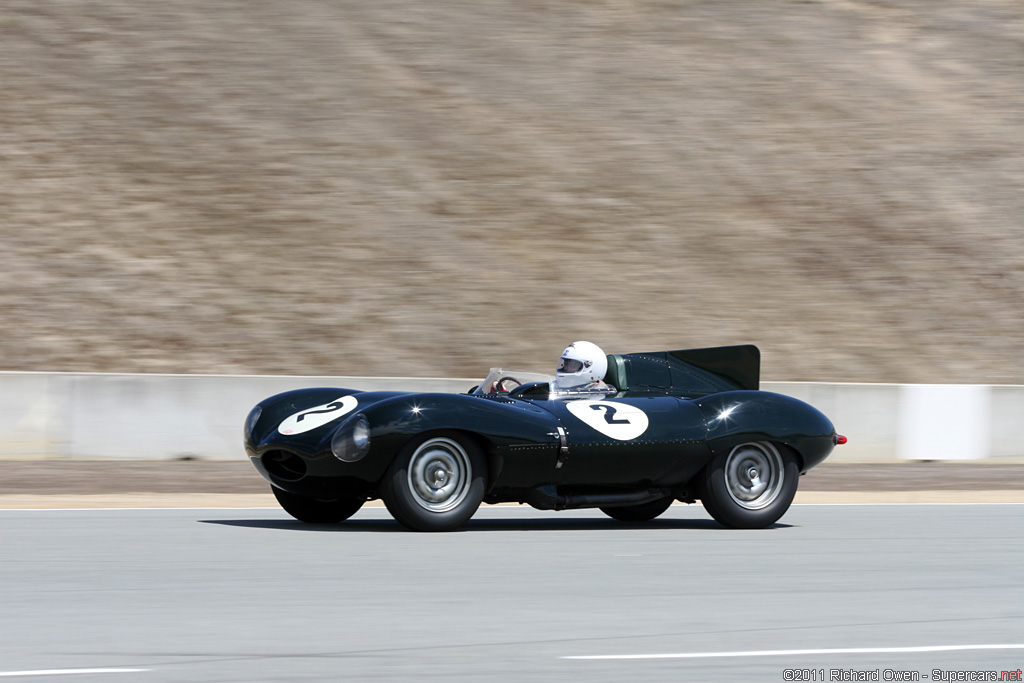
618	420
317	416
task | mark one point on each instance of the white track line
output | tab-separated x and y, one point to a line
66	672
790	653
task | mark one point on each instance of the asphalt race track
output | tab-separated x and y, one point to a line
250	595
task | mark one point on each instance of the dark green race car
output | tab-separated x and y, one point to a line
672	425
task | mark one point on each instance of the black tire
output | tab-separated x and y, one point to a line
436	483
751	486
313	511
644	512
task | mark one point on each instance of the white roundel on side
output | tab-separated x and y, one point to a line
618	420
317	416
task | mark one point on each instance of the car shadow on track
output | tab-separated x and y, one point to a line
553	524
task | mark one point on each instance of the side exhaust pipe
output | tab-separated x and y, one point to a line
548	498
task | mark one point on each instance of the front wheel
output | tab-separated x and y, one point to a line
751	487
644	512
314	511
435	483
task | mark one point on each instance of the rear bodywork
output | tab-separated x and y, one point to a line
670	414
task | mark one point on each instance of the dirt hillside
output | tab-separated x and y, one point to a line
428	188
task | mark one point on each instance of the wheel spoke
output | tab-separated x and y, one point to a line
439	474
754	475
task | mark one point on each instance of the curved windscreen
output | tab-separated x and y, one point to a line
502	381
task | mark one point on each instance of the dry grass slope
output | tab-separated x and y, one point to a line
401	187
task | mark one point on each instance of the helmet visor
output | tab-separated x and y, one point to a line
569	366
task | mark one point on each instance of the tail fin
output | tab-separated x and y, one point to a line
689	371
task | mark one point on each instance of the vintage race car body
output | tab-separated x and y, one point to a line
676	425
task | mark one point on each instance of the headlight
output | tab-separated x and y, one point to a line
352	442
361	434
251	420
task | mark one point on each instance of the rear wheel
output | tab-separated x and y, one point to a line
436	482
750	487
644	512
314	511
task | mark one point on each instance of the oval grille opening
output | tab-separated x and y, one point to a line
284	465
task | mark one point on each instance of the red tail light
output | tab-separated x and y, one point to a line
839	439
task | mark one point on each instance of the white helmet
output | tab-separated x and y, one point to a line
581	363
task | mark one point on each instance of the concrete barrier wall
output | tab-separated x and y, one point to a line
70	415
890	422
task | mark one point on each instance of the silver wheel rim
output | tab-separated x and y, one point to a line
439	475
754	474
